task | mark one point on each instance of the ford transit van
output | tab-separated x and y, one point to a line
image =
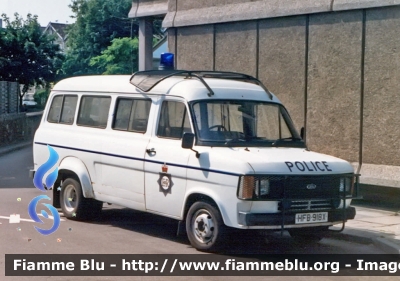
214	150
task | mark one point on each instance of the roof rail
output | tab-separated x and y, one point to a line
147	80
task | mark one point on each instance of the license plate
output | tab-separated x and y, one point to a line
311	217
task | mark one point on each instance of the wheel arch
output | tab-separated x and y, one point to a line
198	196
75	168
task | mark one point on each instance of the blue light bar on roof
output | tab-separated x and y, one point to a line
166	61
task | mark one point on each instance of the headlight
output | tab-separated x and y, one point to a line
263	187
251	187
346	185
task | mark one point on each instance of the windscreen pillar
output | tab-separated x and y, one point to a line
145	43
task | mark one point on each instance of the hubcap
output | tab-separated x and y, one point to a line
70	201
203	226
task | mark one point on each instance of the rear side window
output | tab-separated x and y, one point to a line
62	109
132	115
93	111
174	120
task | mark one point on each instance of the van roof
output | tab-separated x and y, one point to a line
146	80
188	87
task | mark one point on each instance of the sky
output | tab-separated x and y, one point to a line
46	10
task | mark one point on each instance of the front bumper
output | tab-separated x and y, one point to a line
287	220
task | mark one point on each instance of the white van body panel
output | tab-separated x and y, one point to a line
75	165
127	168
275	160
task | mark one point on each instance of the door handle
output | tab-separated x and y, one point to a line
151	151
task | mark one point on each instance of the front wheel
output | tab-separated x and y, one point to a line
204	226
74	205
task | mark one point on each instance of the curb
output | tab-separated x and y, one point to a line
10	148
385	242
350	237
387	245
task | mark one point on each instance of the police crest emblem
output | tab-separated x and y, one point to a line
165	181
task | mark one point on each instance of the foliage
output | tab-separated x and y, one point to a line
98	22
27	55
41	96
117	58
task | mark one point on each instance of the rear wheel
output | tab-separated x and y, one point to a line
56	194
204	226
74	205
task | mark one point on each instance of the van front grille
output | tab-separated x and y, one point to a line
310	205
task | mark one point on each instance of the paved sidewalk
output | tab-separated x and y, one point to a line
12	147
377	226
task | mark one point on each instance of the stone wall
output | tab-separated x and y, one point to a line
8	97
381	117
18	127
333	63
334	81
32	122
338	73
14	126
201	12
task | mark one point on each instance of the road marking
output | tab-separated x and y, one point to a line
7	218
15	218
29	220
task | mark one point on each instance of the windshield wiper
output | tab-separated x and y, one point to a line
284	140
235	140
289	138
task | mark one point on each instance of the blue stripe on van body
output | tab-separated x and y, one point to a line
141	159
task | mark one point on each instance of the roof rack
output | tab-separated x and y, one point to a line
147	80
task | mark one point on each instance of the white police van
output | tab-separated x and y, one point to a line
215	150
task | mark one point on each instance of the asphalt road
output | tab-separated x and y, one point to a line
121	231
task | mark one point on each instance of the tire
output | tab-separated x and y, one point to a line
310	235
74	205
205	227
56	195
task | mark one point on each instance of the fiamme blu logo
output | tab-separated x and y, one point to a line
45	185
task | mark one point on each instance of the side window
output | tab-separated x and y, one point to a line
174	120
68	110
132	115
55	109
62	109
93	111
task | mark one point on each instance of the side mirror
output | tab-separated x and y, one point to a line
187	142
302	133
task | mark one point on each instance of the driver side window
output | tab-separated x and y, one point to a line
174	120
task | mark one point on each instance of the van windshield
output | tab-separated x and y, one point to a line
243	123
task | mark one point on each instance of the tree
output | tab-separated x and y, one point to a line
119	58
27	55
98	22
